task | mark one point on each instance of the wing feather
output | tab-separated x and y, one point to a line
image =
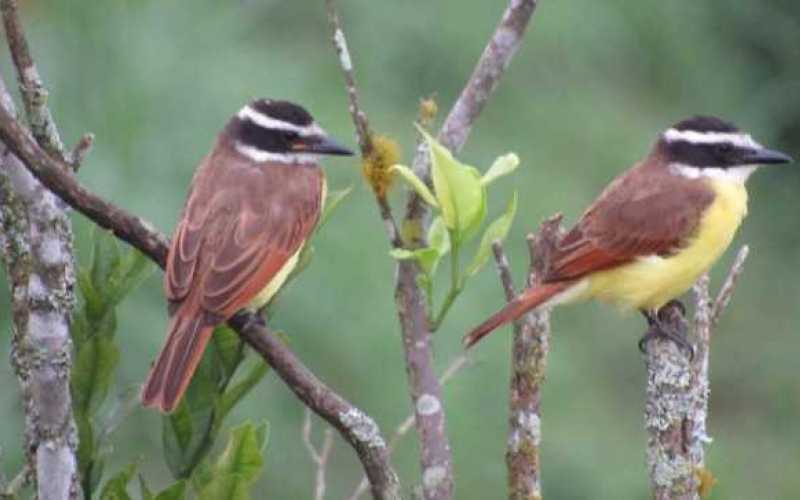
640	214
253	219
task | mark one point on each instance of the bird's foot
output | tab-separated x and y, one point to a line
249	319
668	323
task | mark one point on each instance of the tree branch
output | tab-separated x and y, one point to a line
529	352
34	94
452	369
676	408
37	253
357	428
426	392
424	386
363	132
318	456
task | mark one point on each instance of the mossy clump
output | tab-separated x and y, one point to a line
427	111
376	165
706	481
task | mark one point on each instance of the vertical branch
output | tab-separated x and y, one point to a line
528	365
676	408
37	253
34	94
424	386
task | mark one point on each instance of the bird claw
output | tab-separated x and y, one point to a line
251	320
661	327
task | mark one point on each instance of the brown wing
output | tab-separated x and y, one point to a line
647	211
240	227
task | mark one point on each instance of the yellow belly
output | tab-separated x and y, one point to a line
275	284
651	282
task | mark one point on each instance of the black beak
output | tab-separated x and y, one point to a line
767	157
326	146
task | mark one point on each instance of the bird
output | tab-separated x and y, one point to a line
655	229
253	203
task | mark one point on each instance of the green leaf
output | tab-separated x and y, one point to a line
232	396
131	270
332	200
176	491
416	183
86	445
402	254
497	230
503	165
461	196
228	349
438	237
105	257
238	467
93	373
427	257
116	488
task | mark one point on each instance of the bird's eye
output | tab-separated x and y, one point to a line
723	149
291	136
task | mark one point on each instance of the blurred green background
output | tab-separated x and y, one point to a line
591	87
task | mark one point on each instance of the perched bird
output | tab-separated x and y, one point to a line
656	228
253	203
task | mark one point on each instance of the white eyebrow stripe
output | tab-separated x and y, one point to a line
737	139
264	121
248	113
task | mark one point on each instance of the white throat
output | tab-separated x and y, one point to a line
260	156
738	174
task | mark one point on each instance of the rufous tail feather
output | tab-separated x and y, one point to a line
170	375
528	301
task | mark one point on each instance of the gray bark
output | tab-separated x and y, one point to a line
36	245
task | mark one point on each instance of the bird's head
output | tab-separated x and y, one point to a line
280	132
706	146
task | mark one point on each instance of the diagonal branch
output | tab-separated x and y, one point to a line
451	371
357	428
491	67
34	94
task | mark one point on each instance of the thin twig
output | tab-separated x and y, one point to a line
357	428
21	480
359	117
452	370
319	457
34	94
81	150
726	291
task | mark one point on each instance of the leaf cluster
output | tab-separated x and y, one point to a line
460	197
